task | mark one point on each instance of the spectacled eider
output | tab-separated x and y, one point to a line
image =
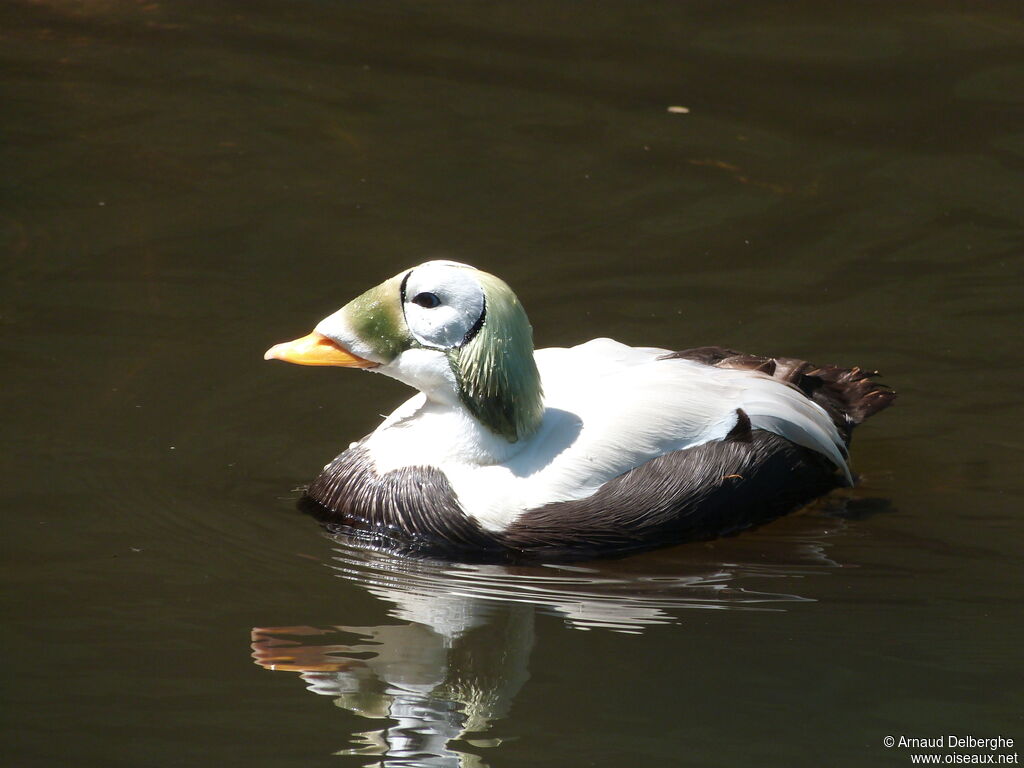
598	449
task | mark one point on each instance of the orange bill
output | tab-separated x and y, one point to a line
316	349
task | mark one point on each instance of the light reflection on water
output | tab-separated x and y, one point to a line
452	667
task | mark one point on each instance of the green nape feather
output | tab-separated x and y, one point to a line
498	379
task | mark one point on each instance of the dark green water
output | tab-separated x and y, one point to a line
185	183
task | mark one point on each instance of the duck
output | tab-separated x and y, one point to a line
510	453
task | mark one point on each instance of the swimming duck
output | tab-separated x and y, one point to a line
513	453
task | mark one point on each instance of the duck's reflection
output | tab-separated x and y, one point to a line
453	666
432	688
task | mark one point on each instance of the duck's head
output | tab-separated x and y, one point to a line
456	333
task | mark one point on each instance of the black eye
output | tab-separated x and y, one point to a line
426	300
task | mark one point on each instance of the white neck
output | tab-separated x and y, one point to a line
425	431
433	428
427	370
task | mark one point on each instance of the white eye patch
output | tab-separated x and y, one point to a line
443	302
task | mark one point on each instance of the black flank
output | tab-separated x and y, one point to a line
710	490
